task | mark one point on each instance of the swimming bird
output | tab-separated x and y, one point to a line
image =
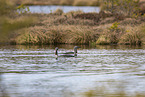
56	52
67	54
75	51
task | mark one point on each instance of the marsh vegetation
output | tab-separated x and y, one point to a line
114	24
83	28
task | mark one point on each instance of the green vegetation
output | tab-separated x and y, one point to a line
11	21
22	9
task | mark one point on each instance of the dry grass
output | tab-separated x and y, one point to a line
82	28
59	2
57	34
58	11
66	2
81	2
134	36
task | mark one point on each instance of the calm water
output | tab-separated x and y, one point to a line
33	71
49	9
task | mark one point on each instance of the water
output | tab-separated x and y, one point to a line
33	71
52	8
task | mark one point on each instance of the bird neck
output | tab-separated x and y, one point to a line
75	52
56	53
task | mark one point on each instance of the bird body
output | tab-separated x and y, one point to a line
67	54
75	51
56	52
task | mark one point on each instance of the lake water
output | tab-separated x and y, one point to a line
49	9
33	71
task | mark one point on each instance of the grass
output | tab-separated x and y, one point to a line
134	36
76	27
56	34
9	25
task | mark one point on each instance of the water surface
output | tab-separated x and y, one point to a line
33	71
52	8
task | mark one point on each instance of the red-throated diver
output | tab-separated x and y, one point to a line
75	51
67	54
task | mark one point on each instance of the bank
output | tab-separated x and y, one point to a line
76	27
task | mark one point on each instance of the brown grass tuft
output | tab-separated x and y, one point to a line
58	34
58	11
133	36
